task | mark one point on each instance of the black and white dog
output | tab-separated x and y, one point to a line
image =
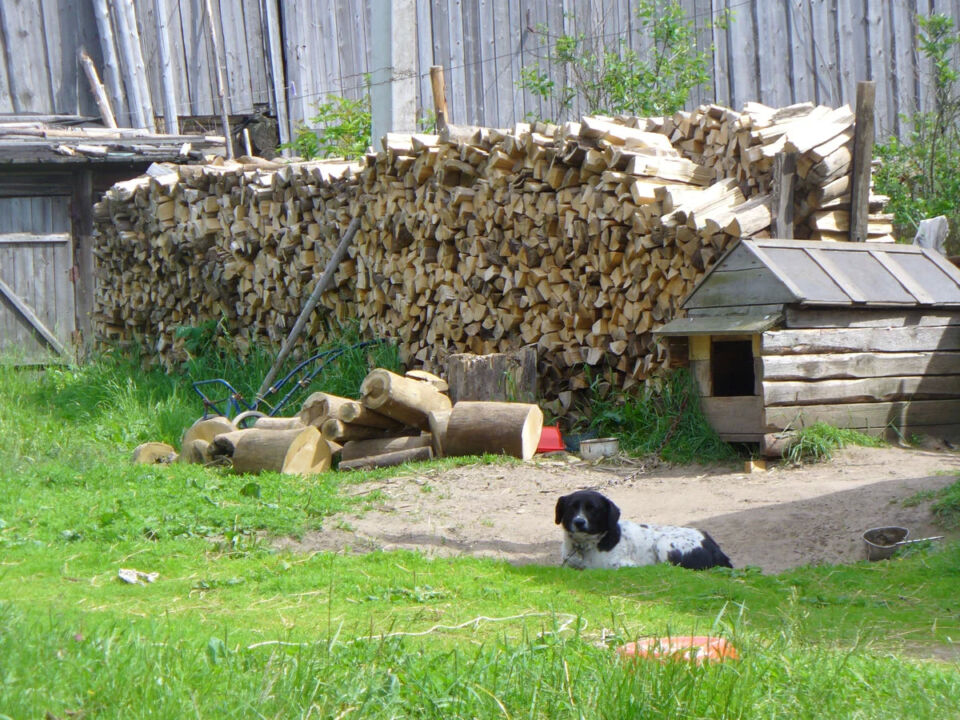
595	537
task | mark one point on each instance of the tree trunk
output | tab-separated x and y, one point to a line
398	457
508	377
403	399
354	412
378	446
494	427
438	430
153	453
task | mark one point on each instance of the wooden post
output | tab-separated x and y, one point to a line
279	79
862	161
111	70
784	169
439	95
84	283
171	121
224	112
139	67
99	92
134	90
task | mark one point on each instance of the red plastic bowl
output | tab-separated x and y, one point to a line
550	439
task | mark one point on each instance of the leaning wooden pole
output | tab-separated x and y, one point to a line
224	111
99	92
277	75
134	90
862	161
322	284
171	120
111	66
139	67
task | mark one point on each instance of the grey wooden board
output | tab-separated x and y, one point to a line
741	415
27	61
874	389
37	273
858	365
875	339
905	415
878	318
740	287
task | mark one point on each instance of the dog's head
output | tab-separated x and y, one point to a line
586	513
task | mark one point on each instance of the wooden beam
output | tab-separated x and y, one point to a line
134	89
784	172
904	415
277	74
110	64
862	161
834	271
84	269
171	120
33	239
99	92
439	96
224	108
36	324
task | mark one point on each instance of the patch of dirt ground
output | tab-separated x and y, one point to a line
775	520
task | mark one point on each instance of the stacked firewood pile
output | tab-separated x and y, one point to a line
579	238
398	419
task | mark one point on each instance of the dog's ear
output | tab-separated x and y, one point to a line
561	507
612	536
613	514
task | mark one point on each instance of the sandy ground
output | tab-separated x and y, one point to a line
778	519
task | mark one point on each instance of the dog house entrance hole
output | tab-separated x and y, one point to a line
731	368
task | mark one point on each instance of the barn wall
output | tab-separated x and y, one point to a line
879	371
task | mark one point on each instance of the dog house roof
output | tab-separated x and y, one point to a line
811	272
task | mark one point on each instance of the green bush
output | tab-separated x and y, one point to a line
617	79
341	128
819	441
919	173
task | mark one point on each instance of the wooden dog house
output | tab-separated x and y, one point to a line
784	333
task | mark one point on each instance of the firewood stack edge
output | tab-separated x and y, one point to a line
578	238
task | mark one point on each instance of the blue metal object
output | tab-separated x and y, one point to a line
301	376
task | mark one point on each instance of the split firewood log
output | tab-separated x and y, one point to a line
196	451
397	457
438	420
299	451
494	427
378	446
279	423
356	413
154	453
204	429
341	432
403	399
438	382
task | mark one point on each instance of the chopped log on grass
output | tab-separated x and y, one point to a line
438	420
402	399
279	423
438	382
205	429
341	432
397	457
356	413
299	451
379	446
196	451
494	427
154	453
508	377
320	407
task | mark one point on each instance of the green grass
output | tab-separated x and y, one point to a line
235	628
663	418
818	442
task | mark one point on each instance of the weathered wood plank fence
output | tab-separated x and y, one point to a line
772	51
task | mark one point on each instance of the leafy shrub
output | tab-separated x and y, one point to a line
341	128
919	173
617	79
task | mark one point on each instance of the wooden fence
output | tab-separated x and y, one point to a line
773	51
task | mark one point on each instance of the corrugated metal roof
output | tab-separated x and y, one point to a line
830	273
